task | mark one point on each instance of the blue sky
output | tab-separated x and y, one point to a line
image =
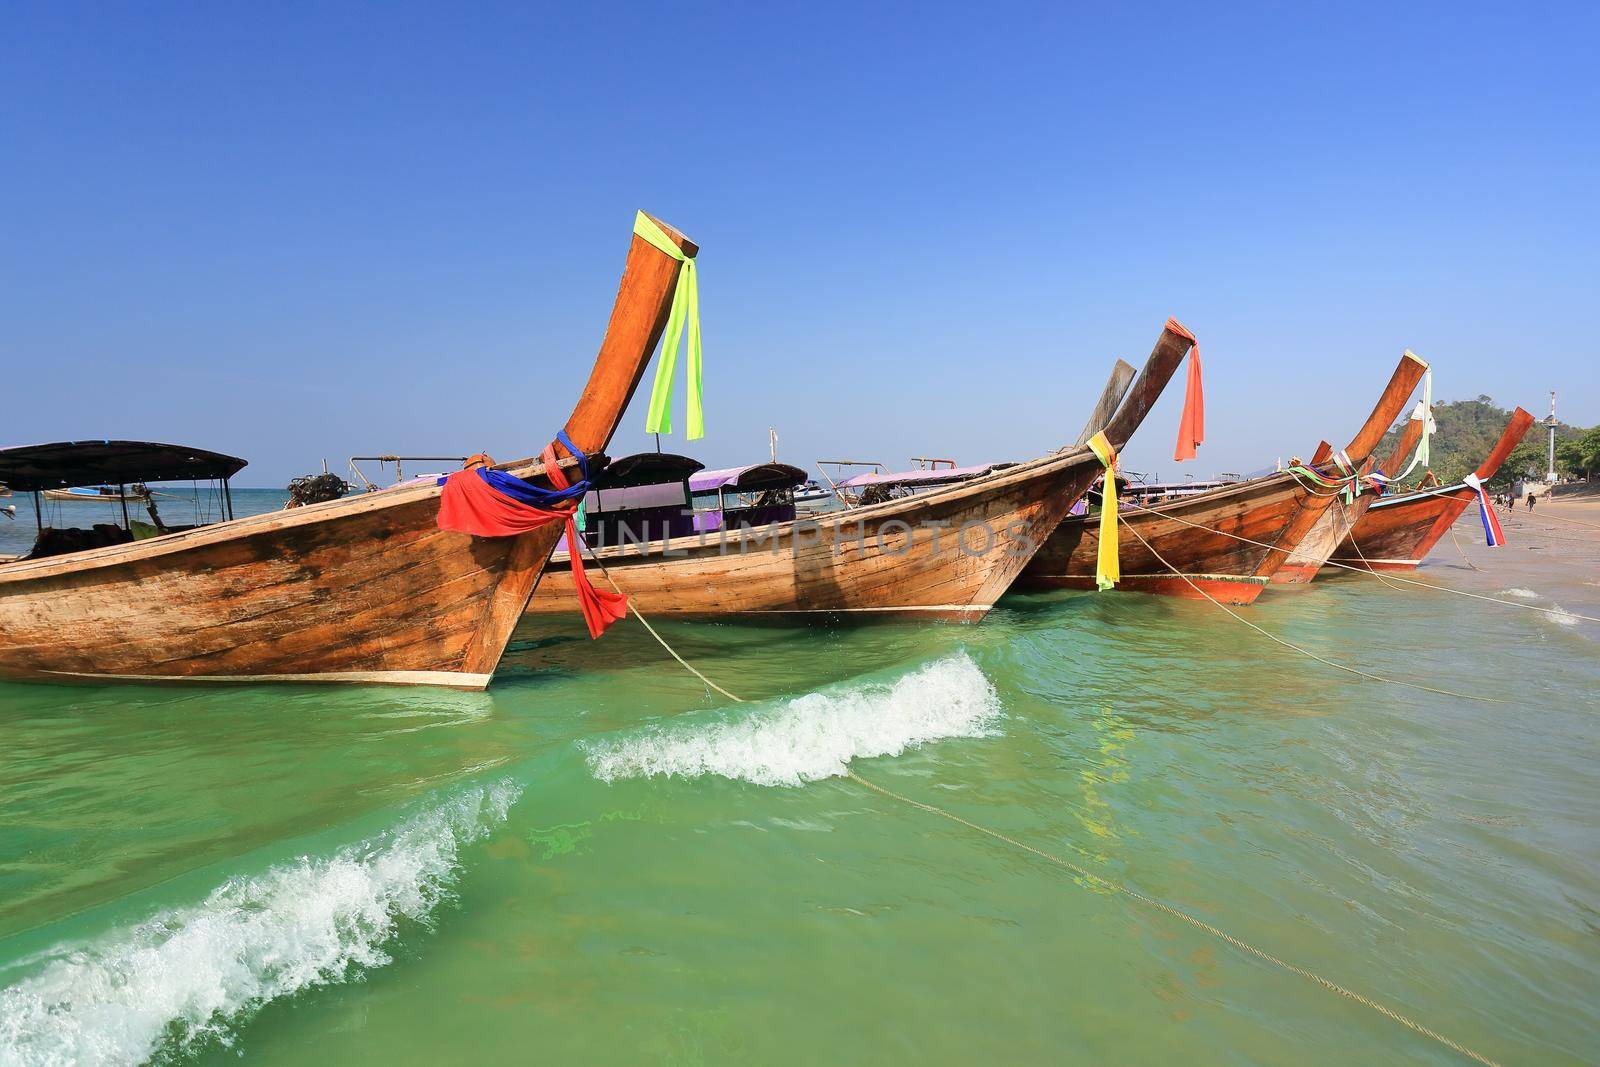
294	232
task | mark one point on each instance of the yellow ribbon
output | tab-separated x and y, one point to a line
685	310
1107	565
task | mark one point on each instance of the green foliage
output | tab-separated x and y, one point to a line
1468	430
1579	455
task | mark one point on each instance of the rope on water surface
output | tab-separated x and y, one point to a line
1269	635
1359	570
1088	875
1178	913
659	640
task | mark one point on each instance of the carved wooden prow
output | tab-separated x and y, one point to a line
1515	430
1116	388
1169	351
1387	410
644	300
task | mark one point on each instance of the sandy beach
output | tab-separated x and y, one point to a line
1551	557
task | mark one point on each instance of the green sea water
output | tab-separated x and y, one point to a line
599	861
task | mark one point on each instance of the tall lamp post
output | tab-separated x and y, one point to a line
1550	476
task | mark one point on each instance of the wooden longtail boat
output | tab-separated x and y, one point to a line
1314	552
1200	535
362	589
1337	519
1397	532
947	553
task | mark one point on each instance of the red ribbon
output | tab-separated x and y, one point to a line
600	607
470	505
1192	427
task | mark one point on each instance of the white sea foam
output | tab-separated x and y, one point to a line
1561	616
1521	594
814	736
188	976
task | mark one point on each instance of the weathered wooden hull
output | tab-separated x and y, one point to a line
903	557
363	589
1226	543
1198	536
370	593
1318	546
1397	534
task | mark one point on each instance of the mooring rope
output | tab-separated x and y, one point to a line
1269	635
634	607
1065	864
1453	539
1178	913
1560	518
1358	570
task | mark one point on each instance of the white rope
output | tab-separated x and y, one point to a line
1359	570
1269	635
1088	875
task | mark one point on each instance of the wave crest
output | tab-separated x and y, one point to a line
188	975
813	736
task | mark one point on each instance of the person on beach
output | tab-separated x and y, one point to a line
1531	498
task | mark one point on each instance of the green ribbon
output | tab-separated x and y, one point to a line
685	310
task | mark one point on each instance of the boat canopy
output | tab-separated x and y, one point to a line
744	479
922	477
647	468
30	468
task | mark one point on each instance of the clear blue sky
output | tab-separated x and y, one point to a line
298	231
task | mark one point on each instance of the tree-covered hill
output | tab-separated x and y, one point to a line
1468	429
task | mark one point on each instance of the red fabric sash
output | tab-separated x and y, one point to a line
1192	427
470	505
600	607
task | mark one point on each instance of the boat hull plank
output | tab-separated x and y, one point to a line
1220	540
1399	536
307	598
884	559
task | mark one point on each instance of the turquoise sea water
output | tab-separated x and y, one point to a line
599	861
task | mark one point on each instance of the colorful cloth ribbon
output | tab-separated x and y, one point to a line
493	503
1424	411
1492	534
1349	476
1192	426
1107	564
685	311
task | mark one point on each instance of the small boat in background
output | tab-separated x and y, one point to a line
105	494
809	492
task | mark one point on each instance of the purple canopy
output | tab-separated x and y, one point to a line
753	476
924	477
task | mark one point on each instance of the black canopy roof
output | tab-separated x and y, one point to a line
647	468
69	463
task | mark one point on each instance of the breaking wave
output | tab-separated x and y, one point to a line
187	976
1520	593
814	736
1561	616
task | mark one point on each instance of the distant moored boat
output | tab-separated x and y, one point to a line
107	493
